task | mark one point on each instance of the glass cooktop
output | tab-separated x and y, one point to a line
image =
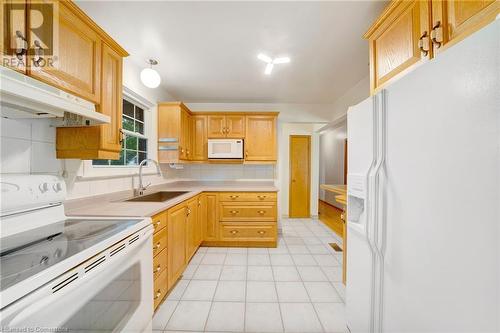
28	253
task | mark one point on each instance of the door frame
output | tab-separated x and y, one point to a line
290	175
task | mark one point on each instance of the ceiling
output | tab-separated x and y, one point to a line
207	51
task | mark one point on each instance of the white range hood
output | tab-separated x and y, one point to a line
24	97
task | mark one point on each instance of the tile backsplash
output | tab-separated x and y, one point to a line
28	146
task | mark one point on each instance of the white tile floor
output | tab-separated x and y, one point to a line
295	287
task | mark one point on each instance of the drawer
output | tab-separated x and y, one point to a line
248	196
159	241
248	232
257	212
159	263
159	221
160	288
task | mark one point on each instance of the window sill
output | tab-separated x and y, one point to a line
90	172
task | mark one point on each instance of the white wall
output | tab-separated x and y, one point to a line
331	168
353	96
284	132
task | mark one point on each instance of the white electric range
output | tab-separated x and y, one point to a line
70	274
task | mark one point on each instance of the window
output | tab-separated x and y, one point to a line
135	142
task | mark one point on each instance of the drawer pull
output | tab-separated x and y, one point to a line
233	211
158	294
234	232
157	269
261	197
157	224
234	196
261	232
157	246
261	212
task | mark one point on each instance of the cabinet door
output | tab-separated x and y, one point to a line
191	225
77	50
454	20
198	229
209	216
184	142
260	142
394	44
111	99
13	43
235	127
176	247
216	126
199	138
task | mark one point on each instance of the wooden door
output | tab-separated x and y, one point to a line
199	138
111	99
209	216
300	176
216	126
13	43
260	140
394	40
191	227
235	127
176	247
75	63
184	140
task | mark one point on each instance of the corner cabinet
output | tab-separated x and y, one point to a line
260	143
408	33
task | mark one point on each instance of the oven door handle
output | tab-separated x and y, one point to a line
61	303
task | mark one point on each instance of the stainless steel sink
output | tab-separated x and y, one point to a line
158	196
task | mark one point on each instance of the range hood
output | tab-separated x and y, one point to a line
24	97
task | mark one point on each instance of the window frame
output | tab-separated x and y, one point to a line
88	171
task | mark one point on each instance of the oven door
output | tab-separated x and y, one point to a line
114	294
225	148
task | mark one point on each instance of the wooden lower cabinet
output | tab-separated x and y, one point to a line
177	236
209	219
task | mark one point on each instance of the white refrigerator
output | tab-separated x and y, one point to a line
423	237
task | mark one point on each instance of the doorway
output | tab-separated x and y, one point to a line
300	176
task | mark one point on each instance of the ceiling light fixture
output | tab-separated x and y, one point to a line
149	77
271	62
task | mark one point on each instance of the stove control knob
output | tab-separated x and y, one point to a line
44	187
57	187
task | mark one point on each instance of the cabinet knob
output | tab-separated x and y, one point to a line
157	223
157	269
437	34
234	211
261	197
261	212
261	232
234	196
38	59
246	153
234	232
157	246
158	294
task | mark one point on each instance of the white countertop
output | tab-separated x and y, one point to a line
112	204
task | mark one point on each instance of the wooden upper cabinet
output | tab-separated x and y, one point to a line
260	142
174	132
235	126
216	126
226	126
453	20
185	137
14	44
199	138
75	63
398	40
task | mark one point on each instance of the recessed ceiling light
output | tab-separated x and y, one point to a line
271	62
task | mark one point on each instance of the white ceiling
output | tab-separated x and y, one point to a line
207	50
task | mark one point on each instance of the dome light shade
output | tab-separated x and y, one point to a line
149	77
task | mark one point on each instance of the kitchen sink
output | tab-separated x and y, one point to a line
158	196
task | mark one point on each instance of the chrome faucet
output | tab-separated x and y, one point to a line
141	188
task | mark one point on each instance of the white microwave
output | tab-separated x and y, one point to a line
225	148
